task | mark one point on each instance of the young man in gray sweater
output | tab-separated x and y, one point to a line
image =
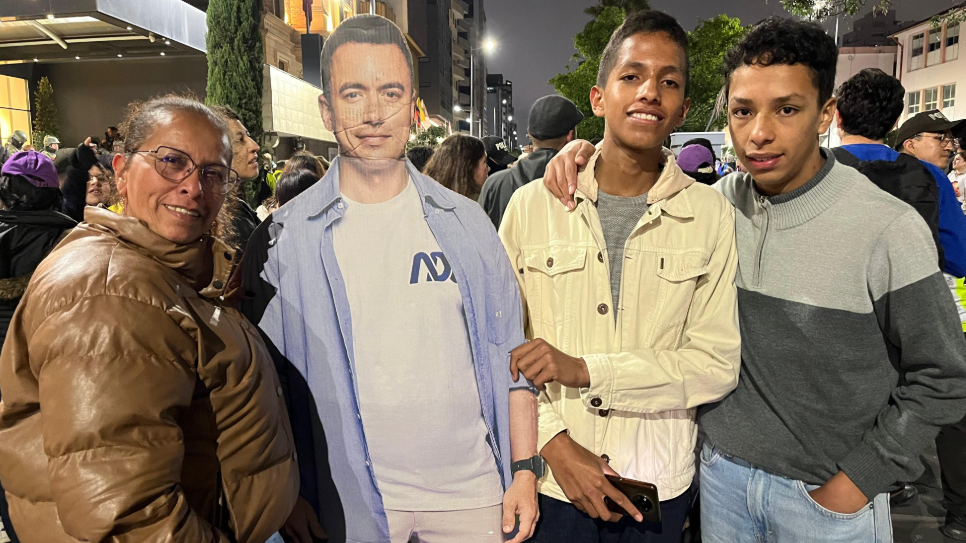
852	354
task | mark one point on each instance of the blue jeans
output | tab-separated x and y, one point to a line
743	503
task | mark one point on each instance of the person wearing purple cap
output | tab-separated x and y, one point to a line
698	163
30	226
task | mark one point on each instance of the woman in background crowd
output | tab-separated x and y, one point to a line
292	184
459	164
158	417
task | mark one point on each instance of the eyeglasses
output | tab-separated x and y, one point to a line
176	166
943	140
98	179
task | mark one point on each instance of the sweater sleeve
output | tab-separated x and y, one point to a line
114	448
920	323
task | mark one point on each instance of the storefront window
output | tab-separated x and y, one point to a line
14	107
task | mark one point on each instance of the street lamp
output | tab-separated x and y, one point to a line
509	117
488	47
457	108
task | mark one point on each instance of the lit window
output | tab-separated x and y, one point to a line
935	44
931	100
949	100
952	42
914	104
915	52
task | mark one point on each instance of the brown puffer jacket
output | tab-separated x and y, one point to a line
135	402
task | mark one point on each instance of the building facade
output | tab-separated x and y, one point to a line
932	69
873	30
500	118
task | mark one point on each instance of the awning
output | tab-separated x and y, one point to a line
72	30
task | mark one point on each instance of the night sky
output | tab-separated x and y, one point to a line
535	37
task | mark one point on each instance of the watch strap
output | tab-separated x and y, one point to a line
534	464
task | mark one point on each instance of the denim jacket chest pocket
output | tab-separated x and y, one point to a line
669	287
553	283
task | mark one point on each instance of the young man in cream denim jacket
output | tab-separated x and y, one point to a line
638	282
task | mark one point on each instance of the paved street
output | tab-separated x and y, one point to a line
919	522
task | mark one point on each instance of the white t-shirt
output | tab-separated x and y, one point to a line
418	395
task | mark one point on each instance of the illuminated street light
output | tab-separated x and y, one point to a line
457	108
504	100
509	117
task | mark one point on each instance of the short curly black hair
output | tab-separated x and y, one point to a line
780	40
870	103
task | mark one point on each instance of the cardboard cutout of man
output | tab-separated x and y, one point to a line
392	308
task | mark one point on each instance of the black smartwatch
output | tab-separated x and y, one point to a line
534	464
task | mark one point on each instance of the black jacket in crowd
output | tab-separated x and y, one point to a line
500	186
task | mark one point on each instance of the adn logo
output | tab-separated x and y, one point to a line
432	263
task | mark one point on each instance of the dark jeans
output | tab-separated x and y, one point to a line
951	447
561	521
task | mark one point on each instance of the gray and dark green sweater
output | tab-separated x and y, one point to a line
852	356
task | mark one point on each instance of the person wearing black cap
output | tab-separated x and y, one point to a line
931	137
552	124
498	157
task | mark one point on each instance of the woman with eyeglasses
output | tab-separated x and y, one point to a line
136	405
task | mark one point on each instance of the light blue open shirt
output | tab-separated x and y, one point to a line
296	295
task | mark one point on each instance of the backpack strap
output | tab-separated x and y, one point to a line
845	157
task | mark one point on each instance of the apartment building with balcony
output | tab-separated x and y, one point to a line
932	68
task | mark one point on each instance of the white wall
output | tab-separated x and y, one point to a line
950	72
853	60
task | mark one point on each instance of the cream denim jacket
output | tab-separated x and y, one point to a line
675	344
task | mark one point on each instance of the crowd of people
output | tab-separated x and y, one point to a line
597	342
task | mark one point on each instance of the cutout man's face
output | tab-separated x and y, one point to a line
371	106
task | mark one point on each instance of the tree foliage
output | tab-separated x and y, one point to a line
629	6
429	137
235	59
708	43
45	113
824	9
590	43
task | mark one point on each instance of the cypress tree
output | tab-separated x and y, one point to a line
235	59
45	113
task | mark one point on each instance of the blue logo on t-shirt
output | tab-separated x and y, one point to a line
432	268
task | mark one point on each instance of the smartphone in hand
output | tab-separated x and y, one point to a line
642	495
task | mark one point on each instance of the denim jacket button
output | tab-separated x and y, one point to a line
600	257
550	262
602	309
596	402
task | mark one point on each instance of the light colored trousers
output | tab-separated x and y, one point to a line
470	526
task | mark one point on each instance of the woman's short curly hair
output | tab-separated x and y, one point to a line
870	103
779	40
